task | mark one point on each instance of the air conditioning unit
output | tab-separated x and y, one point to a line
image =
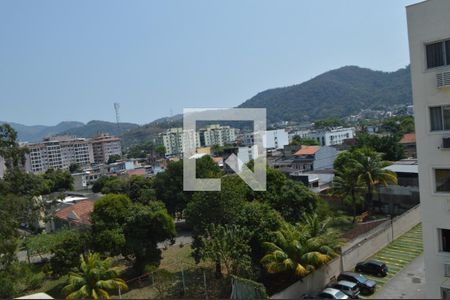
447	270
443	79
446	143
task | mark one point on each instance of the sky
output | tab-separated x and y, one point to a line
71	60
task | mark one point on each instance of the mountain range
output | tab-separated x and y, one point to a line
336	93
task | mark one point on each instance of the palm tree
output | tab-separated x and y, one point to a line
296	251
347	183
370	167
94	279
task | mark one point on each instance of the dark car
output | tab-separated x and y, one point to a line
373	267
351	289
365	285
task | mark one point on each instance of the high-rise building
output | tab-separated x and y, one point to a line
175	140
59	153
104	146
429	44
217	135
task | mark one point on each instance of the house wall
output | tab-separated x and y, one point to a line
324	158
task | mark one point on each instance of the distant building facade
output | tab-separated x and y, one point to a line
59	153
313	158
217	135
104	146
332	137
271	139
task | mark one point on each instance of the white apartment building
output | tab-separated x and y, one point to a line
217	135
271	139
175	140
58	153
429	44
104	146
332	137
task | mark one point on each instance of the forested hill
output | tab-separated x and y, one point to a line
336	93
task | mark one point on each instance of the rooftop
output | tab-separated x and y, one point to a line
307	150
79	213
408	138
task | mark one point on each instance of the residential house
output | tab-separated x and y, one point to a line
311	158
409	144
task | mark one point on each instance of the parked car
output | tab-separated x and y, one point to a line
373	267
366	286
330	293
351	289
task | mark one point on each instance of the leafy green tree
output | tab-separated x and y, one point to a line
293	200
222	207
94	279
160	150
296	251
145	227
108	220
75	168
347	183
388	145
328	122
58	180
260	219
66	247
297	140
12	153
169	184
227	245
113	158
141	150
399	125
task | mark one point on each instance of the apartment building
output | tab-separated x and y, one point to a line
271	139
217	135
58	153
175	140
333	136
104	146
429	44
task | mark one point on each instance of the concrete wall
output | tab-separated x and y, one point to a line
324	158
353	252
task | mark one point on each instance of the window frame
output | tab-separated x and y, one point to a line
443	43
435	191
441	241
441	106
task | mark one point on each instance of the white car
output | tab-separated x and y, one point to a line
330	293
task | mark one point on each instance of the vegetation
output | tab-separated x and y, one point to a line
328	123
368	168
399	125
94	278
298	141
114	158
356	88
296	250
387	145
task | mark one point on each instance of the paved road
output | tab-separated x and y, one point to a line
407	284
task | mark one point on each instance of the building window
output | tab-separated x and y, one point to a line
444	235
438	54
440	118
442	180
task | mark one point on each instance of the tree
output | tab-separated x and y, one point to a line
113	158
297	140
328	122
293	200
296	251
58	180
347	183
399	125
12	153
94	278
388	145
145	227
108	219
74	168
66	248
370	166
222	207
227	245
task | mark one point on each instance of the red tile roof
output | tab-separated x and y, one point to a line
136	172
409	138
307	150
79	213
